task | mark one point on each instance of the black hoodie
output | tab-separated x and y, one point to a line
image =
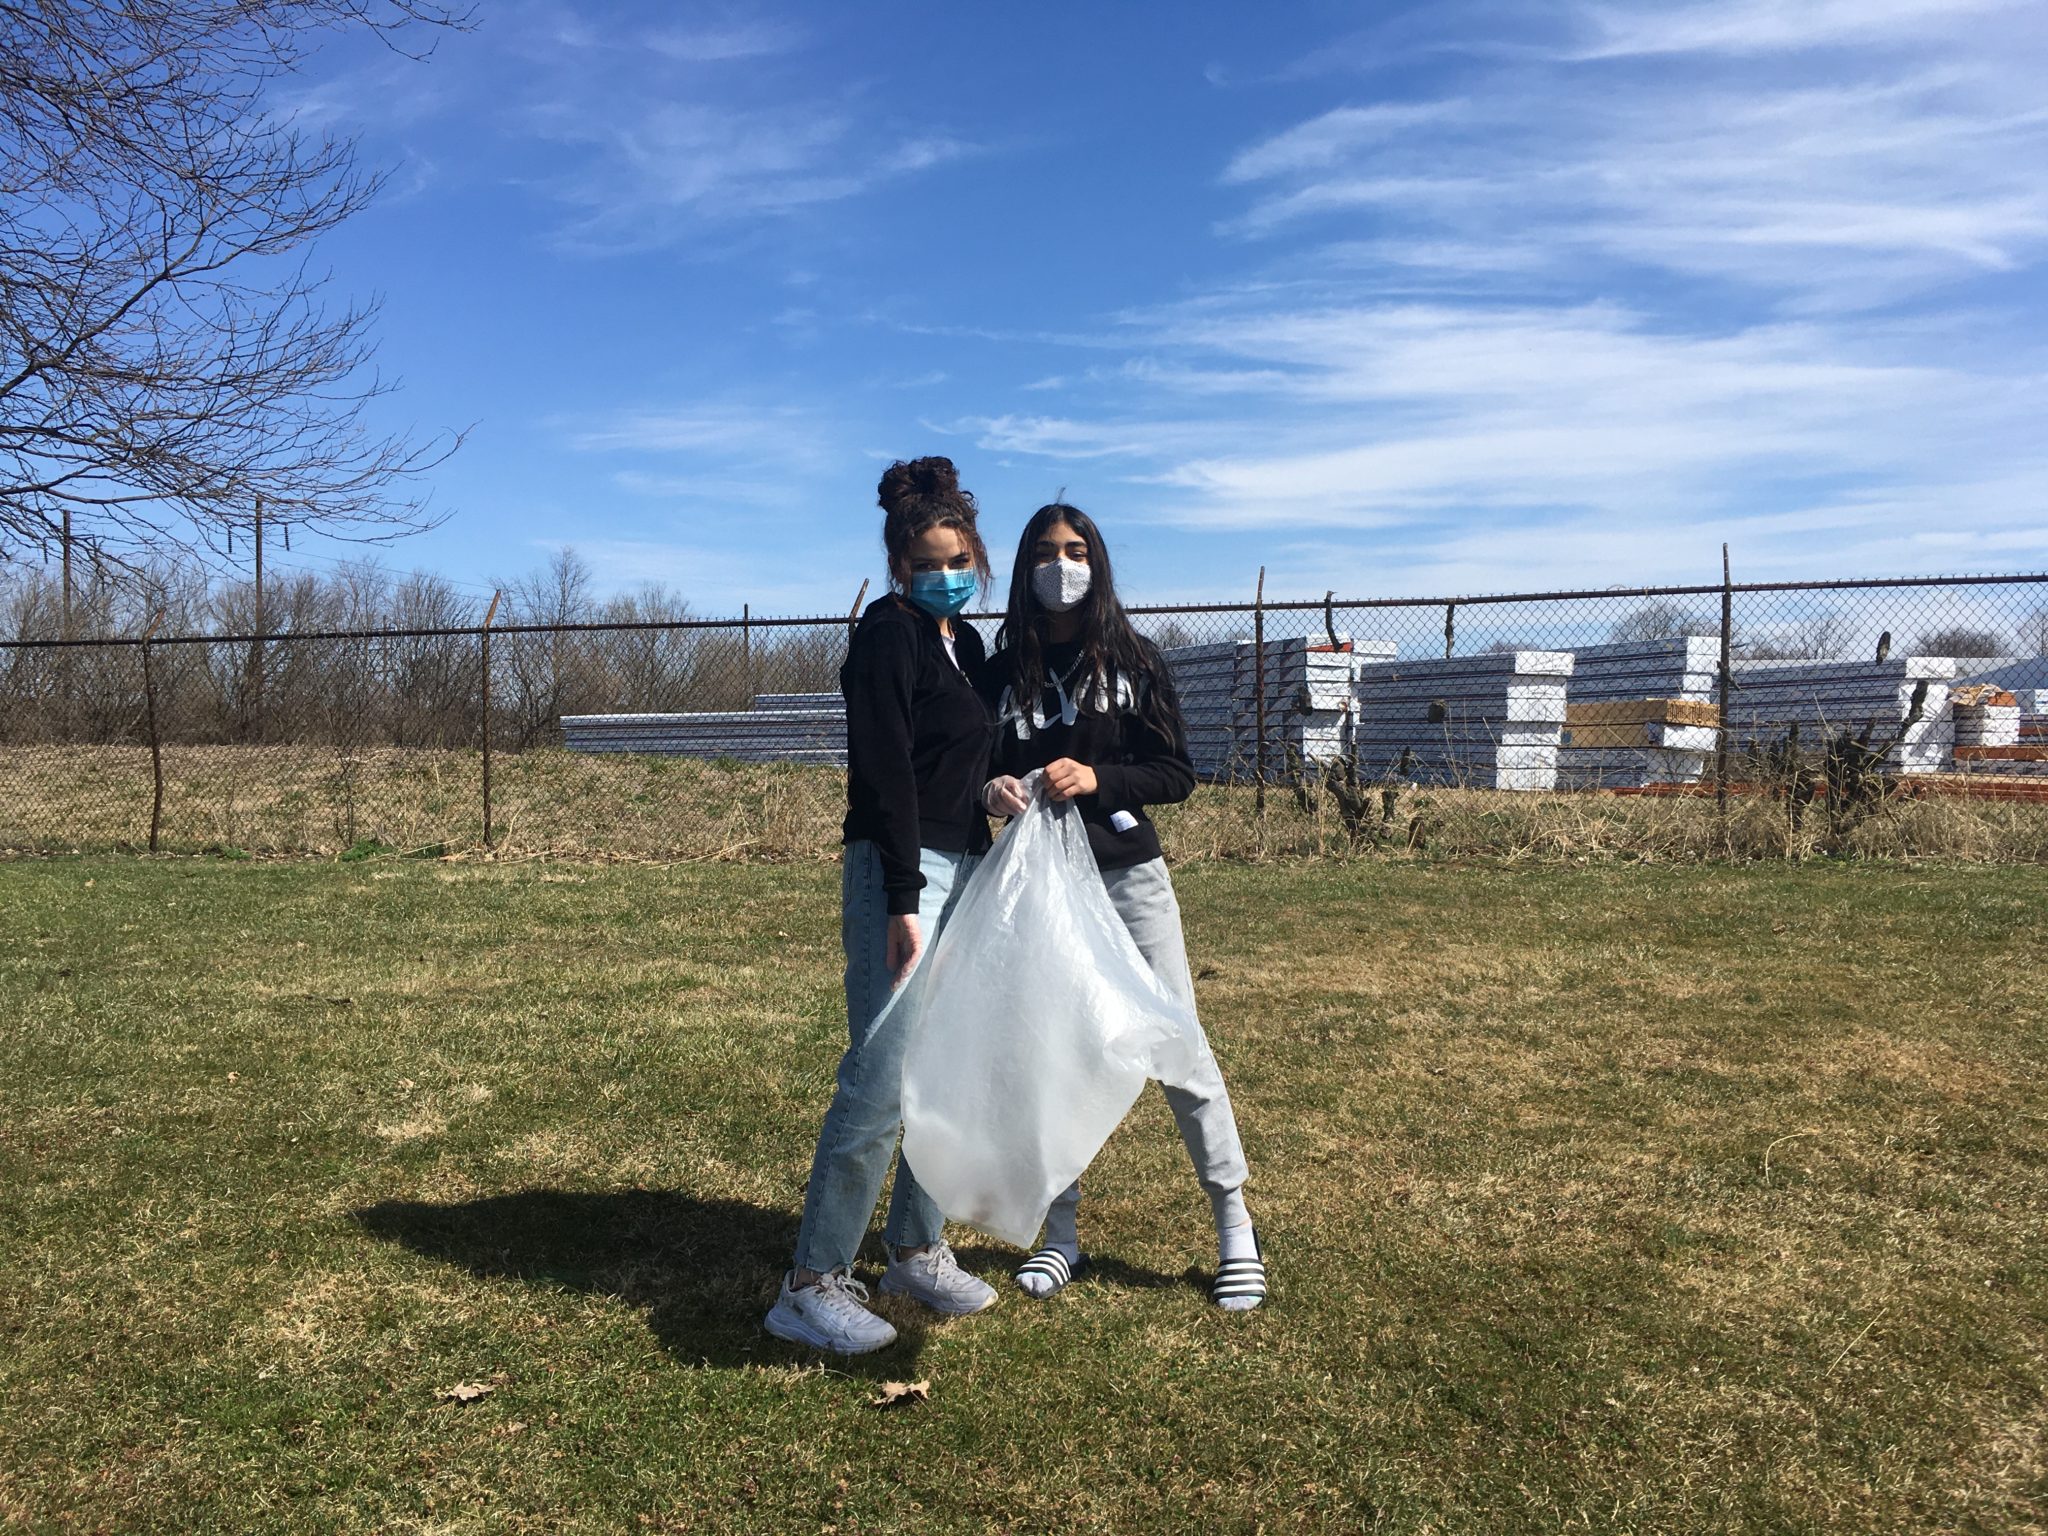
1135	764
916	742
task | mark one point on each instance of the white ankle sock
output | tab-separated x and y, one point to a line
1228	1206
1236	1242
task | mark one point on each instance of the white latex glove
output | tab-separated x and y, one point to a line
1005	796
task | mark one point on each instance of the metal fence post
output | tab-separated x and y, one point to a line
853	613
156	746
484	651
1259	684
747	650
1727	689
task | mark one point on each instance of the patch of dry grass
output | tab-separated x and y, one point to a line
303	800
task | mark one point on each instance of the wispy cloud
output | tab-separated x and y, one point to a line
1747	28
720	44
1861	174
1685	274
685	134
1470	426
1329	140
686	429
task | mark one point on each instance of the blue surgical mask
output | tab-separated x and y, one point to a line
943	593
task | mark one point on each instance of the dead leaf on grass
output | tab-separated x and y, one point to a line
464	1392
901	1394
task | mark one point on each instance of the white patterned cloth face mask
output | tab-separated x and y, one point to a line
1060	584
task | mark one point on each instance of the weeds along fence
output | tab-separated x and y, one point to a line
452	737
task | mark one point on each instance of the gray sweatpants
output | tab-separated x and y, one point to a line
1143	897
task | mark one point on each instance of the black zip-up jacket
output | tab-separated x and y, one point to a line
1135	765
916	743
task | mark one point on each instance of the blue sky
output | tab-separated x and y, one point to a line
1392	299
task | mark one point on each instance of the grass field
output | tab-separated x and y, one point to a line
1617	1199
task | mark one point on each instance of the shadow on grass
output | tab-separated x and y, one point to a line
704	1271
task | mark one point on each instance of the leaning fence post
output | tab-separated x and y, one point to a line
1727	688
853	613
1450	628
484	650
1259	694
156	746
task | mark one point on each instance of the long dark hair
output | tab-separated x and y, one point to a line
922	494
1111	647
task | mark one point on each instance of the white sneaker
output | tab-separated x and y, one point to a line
829	1316
935	1278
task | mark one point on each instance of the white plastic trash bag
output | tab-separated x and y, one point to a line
1033	1023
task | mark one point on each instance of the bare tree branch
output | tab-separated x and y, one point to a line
166	353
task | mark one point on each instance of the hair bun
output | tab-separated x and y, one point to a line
906	479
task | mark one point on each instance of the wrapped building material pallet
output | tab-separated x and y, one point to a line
2022	675
1487	722
747	736
1985	716
1205	677
1308	692
2025	678
1635	742
826	702
1825	698
1642	712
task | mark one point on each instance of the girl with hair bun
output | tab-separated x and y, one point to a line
917	738
1079	693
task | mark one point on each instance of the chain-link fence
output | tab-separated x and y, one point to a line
719	738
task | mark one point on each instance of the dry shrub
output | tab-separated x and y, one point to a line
1222	822
313	800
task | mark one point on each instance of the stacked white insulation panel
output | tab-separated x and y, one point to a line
1490	722
1308	685
1309	696
1985	716
1825	698
1641	712
2024	677
1995	739
1205	677
830	703
749	736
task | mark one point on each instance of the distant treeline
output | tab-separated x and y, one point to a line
381	691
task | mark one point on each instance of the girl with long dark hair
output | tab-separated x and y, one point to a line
1078	692
917	751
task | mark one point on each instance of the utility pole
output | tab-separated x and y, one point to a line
259	565
67	575
256	647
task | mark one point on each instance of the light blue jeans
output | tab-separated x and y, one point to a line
866	1117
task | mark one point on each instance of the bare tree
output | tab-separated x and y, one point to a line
1662	619
1960	640
549	674
1817	637
434	678
2034	633
165	355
